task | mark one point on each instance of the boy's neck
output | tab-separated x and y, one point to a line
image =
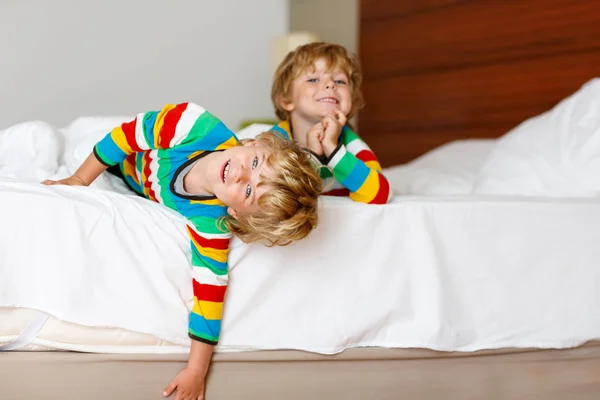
195	181
300	128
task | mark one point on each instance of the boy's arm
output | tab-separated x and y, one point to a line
174	125
210	247
190	381
356	167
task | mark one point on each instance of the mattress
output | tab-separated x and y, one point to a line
57	335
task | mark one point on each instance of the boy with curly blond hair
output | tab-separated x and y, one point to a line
316	90
263	189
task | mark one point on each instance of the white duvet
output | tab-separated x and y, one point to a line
452	271
554	154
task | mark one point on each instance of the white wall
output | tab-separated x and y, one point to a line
62	59
335	21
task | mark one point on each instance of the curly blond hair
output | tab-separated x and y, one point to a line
303	58
289	208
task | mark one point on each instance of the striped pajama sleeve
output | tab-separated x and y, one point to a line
210	278
356	167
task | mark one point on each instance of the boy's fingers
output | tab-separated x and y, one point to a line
316	132
170	388
341	117
180	396
331	120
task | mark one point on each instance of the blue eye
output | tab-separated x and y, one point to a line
248	191
340	82
313	80
255	162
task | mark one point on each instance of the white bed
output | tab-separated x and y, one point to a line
445	274
446	266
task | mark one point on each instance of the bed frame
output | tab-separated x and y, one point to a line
435	71
291	375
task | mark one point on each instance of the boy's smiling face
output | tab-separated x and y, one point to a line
235	175
317	92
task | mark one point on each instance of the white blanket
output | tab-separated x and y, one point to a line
554	154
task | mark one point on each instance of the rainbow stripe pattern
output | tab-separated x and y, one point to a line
355	167
150	150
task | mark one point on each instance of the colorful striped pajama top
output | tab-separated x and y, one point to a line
151	150
356	170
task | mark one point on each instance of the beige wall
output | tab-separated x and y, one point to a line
334	20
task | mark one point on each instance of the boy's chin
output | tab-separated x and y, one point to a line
328	109
324	113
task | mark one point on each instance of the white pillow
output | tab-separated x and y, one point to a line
251	131
29	152
556	153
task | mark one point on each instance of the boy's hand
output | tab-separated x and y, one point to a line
189	384
333	124
85	174
314	137
71	181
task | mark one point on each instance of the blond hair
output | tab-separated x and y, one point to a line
289	208
303	58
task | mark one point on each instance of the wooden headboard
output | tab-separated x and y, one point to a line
440	70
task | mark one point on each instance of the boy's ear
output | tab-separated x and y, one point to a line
232	212
286	105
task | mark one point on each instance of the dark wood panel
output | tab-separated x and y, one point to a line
477	34
442	68
386	9
377	9
483	95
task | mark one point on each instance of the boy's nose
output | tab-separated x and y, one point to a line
240	174
329	84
